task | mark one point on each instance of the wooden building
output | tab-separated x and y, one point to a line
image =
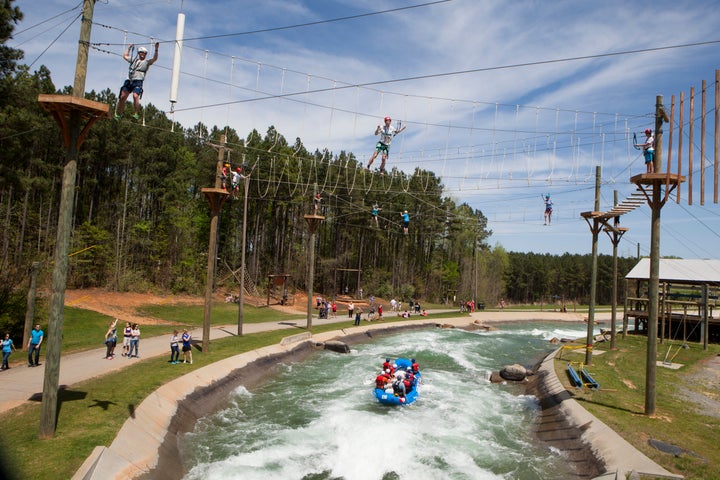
688	299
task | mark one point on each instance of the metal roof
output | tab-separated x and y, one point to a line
679	271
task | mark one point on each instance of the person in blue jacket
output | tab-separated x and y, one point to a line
405	221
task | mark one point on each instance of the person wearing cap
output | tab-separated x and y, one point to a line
405	221
386	132
136	75
237	175
648	150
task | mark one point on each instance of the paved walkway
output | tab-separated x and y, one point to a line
22	383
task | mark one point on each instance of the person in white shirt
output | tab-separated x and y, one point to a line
648	150
386	132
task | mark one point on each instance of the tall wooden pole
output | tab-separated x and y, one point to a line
216	196
53	336
653	306
614	238
313	222
241	298
30	309
593	274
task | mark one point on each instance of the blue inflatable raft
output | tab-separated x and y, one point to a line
387	397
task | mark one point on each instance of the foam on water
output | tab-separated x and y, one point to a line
318	419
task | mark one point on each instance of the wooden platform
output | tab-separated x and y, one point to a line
652	178
68	108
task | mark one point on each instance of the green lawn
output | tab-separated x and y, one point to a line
620	402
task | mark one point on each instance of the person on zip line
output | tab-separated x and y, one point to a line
375	211
237	175
648	149
548	208
136	75
386	132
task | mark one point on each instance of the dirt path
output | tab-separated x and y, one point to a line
124	305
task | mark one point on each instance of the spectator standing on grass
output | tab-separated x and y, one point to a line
174	348
187	346
351	307
36	339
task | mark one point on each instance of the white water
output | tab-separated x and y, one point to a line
318	419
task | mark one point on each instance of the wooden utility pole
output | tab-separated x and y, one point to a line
651	184
615	233
241	298
594	229
30	309
313	222
69	112
216	197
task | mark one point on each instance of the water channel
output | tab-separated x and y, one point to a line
317	420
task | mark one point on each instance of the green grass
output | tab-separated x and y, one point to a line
92	412
620	403
222	314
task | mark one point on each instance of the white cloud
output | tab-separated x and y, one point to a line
499	137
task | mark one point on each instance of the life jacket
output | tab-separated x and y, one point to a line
380	381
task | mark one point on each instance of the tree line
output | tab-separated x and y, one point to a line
141	221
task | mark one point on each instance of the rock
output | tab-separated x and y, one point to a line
496	378
337	346
513	372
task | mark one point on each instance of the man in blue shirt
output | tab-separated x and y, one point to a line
36	339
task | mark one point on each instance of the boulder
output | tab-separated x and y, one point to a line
337	346
513	372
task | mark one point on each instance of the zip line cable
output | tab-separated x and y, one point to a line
55	40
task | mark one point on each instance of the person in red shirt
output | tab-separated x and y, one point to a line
380	381
415	366
387	366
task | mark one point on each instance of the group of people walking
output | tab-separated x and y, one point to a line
8	346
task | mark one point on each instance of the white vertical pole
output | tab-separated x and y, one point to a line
179	32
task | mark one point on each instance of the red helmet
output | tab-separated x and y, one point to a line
388	119
239	169
647	130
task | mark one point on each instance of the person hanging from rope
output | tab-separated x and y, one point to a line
405	221
374	213
548	208
386	132
134	83
648	149
237	175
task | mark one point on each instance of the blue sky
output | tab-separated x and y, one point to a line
506	101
